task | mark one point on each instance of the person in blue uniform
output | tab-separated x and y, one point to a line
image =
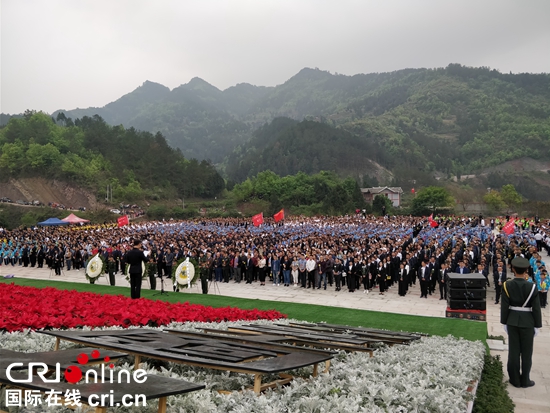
521	315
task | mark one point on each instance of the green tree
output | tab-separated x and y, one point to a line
381	201
42	156
494	201
510	197
324	193
429	199
13	156
94	154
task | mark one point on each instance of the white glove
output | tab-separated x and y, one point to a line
505	327
536	331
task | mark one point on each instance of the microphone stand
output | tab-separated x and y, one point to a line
162	292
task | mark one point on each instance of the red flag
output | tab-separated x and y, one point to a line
433	223
123	221
509	228
279	216
258	219
412	190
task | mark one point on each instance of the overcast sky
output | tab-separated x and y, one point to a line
63	54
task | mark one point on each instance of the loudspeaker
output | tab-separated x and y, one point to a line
467	304
467	281
470	294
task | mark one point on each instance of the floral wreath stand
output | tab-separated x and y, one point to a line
184	276
95	269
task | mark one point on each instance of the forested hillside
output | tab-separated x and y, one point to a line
286	147
91	153
198	118
428	122
315	194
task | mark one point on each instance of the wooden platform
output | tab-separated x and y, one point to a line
321	335
155	387
66	358
282	336
257	358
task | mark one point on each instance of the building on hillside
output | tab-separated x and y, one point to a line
393	193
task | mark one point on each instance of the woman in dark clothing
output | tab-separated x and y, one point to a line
160	262
381	277
388	272
34	251
351	275
357	273
261	269
365	275
77	260
338	268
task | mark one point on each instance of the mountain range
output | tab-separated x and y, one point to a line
405	125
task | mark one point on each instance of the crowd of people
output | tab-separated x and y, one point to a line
350	253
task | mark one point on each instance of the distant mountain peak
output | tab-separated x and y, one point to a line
150	84
151	91
199	84
151	88
309	73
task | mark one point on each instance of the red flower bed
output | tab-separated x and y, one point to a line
28	307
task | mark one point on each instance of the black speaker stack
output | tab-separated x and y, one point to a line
466	291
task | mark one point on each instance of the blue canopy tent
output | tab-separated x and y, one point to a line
50	222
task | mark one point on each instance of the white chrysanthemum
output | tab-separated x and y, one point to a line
415	378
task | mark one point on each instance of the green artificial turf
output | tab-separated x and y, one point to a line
471	330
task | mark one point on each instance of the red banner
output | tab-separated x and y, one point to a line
279	216
123	221
433	223
509	228
258	219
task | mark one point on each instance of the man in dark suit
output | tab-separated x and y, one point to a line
394	267
484	270
134	258
169	258
442	280
424	278
413	267
521	315
434	269
160	261
463	268
403	280
117	255
499	276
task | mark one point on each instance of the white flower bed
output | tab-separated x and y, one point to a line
430	375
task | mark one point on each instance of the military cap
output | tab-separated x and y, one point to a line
520	262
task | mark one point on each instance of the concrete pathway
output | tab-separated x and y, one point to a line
535	399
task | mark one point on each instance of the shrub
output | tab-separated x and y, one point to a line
492	396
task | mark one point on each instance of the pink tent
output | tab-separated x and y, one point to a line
73	219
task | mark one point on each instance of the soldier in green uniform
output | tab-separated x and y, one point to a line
204	269
520	313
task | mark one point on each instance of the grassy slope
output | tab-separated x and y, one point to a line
471	330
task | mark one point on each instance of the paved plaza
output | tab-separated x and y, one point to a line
535	399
